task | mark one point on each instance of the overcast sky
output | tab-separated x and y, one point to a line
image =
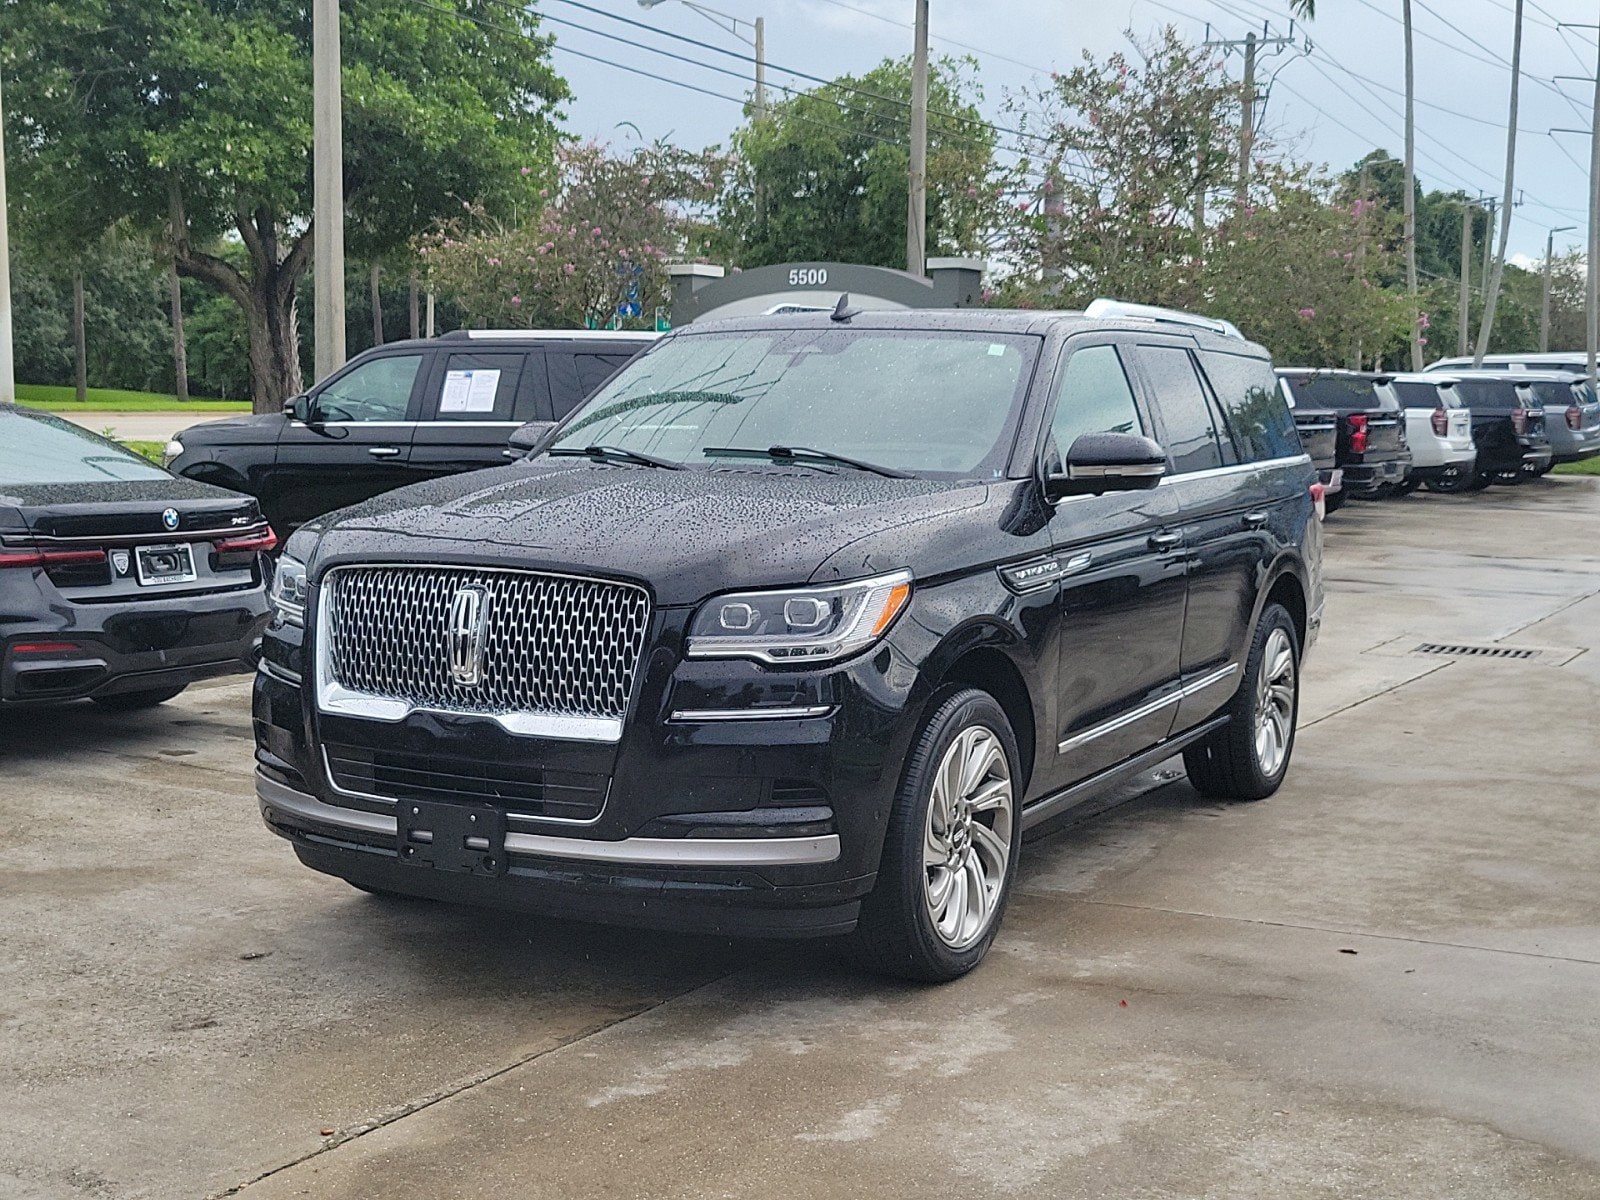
1316	105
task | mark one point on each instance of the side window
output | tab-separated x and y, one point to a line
1252	405
1094	397
1192	442
478	387
533	395
595	369
379	390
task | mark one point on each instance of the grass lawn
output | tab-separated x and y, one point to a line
1589	466
65	399
151	450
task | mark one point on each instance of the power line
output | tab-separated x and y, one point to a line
947	41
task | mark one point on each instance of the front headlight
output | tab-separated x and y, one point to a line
289	590
813	624
174	448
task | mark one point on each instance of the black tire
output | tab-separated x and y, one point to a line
897	935
1332	502
1479	482
1452	485
134	701
1227	764
1406	488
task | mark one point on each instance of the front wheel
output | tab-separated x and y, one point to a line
951	846
1248	757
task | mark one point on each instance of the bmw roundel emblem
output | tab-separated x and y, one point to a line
169	518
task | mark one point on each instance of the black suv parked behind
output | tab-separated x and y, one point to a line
799	621
1507	427
402	413
1372	452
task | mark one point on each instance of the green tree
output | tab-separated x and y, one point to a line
823	175
192	120
608	226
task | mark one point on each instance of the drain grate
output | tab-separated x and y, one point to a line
1467	650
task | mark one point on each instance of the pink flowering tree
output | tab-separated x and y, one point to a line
607	228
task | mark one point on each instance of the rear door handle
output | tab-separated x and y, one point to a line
1254	520
1165	541
383	451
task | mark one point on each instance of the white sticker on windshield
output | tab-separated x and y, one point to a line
996	349
469	391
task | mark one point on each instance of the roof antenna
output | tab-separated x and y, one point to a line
842	310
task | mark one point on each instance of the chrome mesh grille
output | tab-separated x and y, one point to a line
552	644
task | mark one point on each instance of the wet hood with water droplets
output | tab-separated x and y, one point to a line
685	534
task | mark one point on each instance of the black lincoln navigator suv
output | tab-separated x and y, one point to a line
797	623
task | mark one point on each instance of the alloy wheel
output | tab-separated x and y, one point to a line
1275	691
966	847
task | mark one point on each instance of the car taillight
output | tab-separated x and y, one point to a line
49	558
1319	500
1519	420
1574	417
1441	421
255	543
1358	434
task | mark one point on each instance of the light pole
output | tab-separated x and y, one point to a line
917	191
1544	303
757	38
8	382
327	187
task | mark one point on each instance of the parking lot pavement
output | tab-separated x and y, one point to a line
1382	982
140	426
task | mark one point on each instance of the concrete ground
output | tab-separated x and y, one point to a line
1384	982
140	426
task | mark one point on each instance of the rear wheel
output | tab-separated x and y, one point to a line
1450	484
1248	757
134	701
951	845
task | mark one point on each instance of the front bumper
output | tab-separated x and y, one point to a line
63	651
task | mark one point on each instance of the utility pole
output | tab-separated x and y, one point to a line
328	187
1491	284
1467	209
917	199
1593	263
1410	191
8	381
1544	303
760	105
1247	118
1252	44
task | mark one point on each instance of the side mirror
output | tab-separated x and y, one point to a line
1107	462
527	438
298	409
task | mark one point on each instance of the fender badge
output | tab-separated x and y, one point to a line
120	561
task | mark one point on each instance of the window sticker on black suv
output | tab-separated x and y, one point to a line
1094	397
1253	405
478	387
1191	436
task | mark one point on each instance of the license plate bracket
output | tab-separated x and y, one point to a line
164	564
466	839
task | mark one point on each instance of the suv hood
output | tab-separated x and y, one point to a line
685	534
253	429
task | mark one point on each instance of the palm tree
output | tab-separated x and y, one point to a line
1492	284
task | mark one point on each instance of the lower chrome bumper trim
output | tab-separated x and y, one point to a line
752	714
639	852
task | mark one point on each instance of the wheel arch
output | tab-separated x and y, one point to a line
982	656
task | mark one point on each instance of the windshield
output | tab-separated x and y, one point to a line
943	404
39	448
1335	392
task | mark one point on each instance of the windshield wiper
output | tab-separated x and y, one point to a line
616	453
803	455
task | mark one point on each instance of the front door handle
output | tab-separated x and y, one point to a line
383	451
1254	520
1165	541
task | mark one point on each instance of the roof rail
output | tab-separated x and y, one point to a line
1103	309
599	335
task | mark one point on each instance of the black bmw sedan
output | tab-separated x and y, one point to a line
118	582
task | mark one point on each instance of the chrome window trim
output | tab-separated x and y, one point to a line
652	852
333	697
358	424
798	713
1235	469
511	814
1149	709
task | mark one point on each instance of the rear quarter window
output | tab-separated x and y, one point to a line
1253	405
